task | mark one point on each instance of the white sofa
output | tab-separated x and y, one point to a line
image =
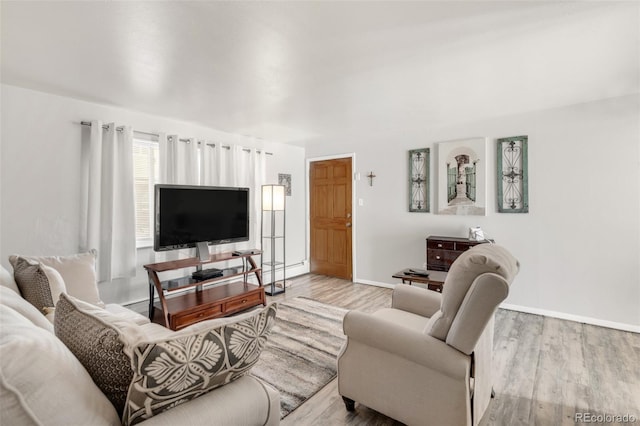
43	383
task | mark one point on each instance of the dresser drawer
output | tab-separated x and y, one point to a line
440	245
244	301
464	246
182	320
440	260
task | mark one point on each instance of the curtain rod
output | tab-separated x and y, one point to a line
119	129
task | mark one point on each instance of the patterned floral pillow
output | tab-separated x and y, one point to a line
169	372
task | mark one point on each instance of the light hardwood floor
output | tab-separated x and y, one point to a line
547	370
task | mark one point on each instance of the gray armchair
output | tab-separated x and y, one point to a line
427	359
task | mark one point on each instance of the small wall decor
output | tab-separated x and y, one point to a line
285	179
419	180
462	171
371	176
513	181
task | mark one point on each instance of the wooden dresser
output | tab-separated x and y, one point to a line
442	251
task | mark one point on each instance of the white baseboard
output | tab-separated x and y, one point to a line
570	317
374	283
298	269
292	271
544	312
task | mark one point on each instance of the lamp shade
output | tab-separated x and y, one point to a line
272	197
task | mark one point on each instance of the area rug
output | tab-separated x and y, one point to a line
300	356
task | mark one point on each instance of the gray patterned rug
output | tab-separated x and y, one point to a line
300	356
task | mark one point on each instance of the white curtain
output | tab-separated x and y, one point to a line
178	160
213	170
236	166
108	212
259	167
178	166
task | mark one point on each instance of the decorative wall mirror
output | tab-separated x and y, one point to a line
513	181
419	180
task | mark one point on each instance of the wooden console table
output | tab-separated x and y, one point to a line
200	300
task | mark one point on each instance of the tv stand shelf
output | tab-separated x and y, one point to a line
188	307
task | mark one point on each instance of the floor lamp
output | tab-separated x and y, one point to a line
273	231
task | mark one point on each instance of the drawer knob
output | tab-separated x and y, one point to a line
438	257
439	245
244	300
201	314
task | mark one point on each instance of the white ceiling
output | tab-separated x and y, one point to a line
303	72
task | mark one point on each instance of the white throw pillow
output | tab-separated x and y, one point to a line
78	272
41	382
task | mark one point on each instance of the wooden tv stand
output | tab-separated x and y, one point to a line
202	300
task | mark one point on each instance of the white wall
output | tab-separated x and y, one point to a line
40	177
580	244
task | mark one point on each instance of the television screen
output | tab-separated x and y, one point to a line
187	215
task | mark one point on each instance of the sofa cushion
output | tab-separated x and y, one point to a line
6	280
41	382
94	336
126	314
246	401
39	284
78	272
14	301
176	369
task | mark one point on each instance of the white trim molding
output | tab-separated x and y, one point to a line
536	311
570	317
373	283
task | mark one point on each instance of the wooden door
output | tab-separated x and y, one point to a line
330	217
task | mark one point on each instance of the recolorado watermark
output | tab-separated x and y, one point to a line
604	418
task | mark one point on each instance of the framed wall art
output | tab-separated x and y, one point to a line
462	176
419	180
285	179
513	180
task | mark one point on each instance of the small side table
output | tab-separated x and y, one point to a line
434	280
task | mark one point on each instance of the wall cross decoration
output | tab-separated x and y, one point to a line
371	176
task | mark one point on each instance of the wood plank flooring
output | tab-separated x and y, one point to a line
547	370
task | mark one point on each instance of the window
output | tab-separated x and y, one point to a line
145	174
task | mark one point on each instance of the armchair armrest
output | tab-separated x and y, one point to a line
416	300
406	343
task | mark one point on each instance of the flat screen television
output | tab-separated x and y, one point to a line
196	216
